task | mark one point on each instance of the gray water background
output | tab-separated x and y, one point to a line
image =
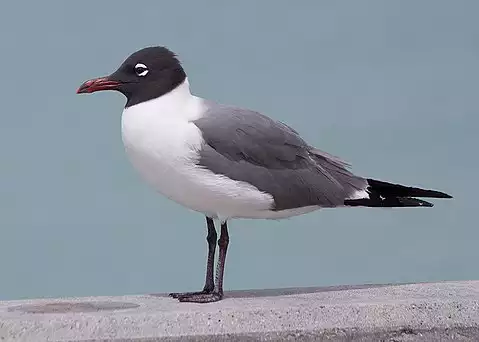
390	86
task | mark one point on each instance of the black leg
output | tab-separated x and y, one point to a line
209	282
220	268
217	294
211	238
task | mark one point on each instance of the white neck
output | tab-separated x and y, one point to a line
177	104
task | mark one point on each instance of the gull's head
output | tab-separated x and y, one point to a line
146	74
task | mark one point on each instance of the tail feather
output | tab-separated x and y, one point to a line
384	194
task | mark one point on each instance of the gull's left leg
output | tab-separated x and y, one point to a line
209	282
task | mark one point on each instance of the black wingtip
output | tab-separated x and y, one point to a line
432	193
397	190
438	194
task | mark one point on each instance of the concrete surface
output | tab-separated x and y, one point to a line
412	312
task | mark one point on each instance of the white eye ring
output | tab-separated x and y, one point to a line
141	69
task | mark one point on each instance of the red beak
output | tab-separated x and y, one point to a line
97	84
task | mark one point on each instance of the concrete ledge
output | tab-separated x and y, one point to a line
411	312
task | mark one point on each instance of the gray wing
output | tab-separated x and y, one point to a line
247	146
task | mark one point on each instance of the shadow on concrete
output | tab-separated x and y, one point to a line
67	307
256	293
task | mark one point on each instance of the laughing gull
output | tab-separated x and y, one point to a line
228	162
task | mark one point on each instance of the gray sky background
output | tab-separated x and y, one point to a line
389	86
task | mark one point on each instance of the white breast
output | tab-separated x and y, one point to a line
162	144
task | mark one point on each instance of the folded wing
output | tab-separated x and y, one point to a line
247	146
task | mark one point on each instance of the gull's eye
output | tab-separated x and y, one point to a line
141	69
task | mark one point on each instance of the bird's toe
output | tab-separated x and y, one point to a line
201	297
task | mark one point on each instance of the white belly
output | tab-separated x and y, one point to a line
164	152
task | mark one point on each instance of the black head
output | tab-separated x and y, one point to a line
144	75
